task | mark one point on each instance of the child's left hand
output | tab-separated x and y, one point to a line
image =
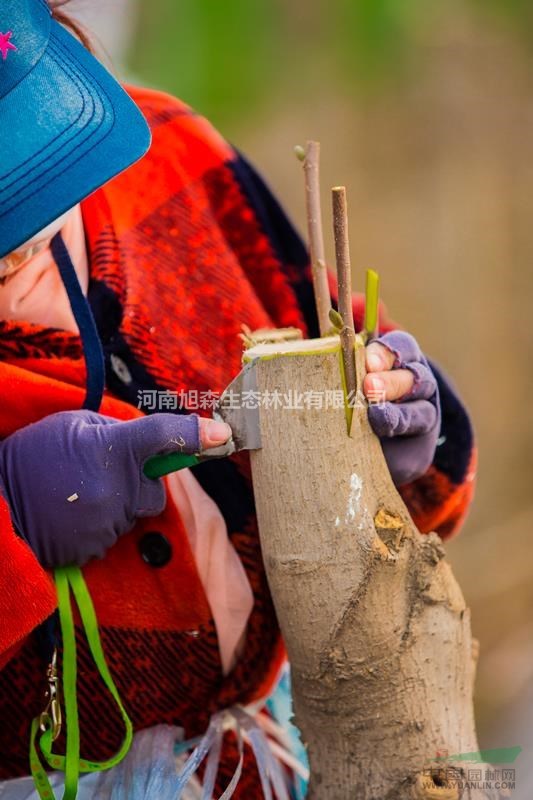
404	408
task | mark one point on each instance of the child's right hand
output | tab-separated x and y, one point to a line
74	481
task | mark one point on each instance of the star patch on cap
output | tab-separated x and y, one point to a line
5	44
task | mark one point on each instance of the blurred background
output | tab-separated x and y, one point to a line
425	112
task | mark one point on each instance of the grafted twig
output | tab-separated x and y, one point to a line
311	164
344	275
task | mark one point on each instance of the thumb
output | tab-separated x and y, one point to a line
156	434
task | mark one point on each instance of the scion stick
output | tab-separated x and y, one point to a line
311	164
344	275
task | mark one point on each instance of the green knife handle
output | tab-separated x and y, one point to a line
158	466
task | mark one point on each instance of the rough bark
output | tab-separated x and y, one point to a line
376	627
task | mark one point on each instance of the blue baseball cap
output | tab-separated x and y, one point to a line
66	125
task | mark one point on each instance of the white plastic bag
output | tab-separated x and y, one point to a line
150	771
153	771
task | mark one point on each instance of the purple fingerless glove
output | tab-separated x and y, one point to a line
408	428
74	480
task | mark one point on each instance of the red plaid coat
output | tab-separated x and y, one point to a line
184	247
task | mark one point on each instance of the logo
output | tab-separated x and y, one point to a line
475	773
502	755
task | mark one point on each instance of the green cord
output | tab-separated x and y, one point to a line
70	579
72	758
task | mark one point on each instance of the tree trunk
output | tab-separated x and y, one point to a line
376	627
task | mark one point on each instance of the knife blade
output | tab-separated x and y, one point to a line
238	406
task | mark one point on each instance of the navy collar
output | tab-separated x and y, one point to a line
92	346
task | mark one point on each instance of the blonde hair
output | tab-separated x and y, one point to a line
65	19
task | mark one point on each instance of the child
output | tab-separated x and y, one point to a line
127	270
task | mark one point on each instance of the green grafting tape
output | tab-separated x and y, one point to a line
371	302
348	409
70	579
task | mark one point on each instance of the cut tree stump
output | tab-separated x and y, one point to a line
376	627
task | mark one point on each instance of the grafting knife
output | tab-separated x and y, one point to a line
239	407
